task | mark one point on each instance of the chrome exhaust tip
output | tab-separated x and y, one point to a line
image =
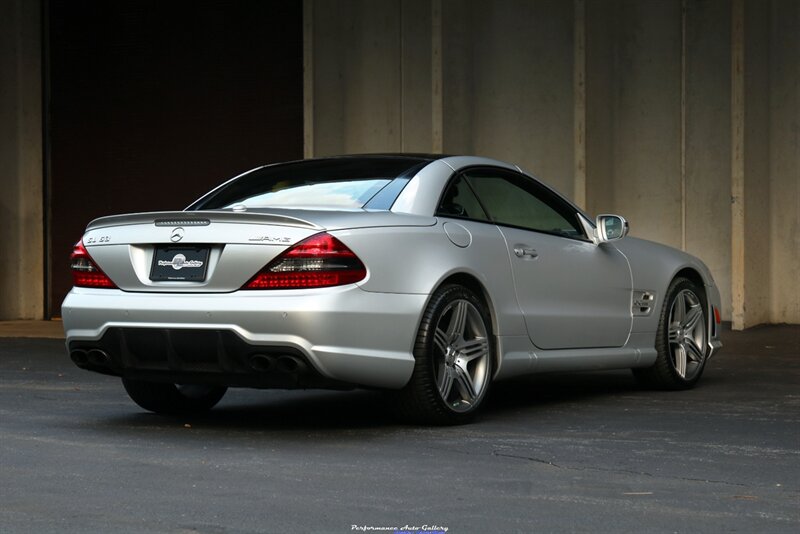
291	364
98	357
79	357
263	363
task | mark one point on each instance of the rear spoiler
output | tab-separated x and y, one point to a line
199	218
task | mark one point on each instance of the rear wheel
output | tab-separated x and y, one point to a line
681	341
454	356
173	399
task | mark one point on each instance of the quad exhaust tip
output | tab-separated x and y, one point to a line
265	363
98	357
291	364
91	357
79	357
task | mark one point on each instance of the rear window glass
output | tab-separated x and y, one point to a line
344	194
337	183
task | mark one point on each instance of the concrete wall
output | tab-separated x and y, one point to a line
641	55
784	157
707	139
641	108
757	243
526	121
21	212
653	83
358	93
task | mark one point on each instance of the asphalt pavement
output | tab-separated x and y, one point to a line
590	452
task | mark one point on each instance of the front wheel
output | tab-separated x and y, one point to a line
173	399
453	360
681	340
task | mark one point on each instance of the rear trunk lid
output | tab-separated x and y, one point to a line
211	251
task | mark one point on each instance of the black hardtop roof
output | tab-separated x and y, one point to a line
421	157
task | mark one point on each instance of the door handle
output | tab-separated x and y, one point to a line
525	252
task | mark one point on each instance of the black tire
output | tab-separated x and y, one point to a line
448	361
671	371
172	399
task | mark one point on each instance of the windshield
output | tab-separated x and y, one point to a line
334	183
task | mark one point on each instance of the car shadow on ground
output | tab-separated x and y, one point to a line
554	388
249	410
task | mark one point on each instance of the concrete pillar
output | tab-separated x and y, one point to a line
765	173
737	165
21	204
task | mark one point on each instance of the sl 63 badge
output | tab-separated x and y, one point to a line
95	240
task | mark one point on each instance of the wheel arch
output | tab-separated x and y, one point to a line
692	275
474	284
696	277
665	373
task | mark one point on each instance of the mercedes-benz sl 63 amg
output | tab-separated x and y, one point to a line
430	276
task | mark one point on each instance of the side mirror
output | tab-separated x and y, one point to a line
611	228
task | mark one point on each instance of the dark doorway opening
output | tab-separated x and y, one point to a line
150	104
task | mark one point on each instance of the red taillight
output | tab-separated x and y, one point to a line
85	273
717	318
318	261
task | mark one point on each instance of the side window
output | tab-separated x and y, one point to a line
518	201
459	201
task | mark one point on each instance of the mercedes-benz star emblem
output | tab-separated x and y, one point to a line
177	235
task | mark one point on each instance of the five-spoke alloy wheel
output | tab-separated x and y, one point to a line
687	334
454	359
681	341
461	354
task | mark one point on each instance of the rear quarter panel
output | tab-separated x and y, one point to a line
416	260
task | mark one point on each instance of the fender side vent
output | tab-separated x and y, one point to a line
643	302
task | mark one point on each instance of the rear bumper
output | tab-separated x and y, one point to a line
343	335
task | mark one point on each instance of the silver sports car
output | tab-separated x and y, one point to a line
431	276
